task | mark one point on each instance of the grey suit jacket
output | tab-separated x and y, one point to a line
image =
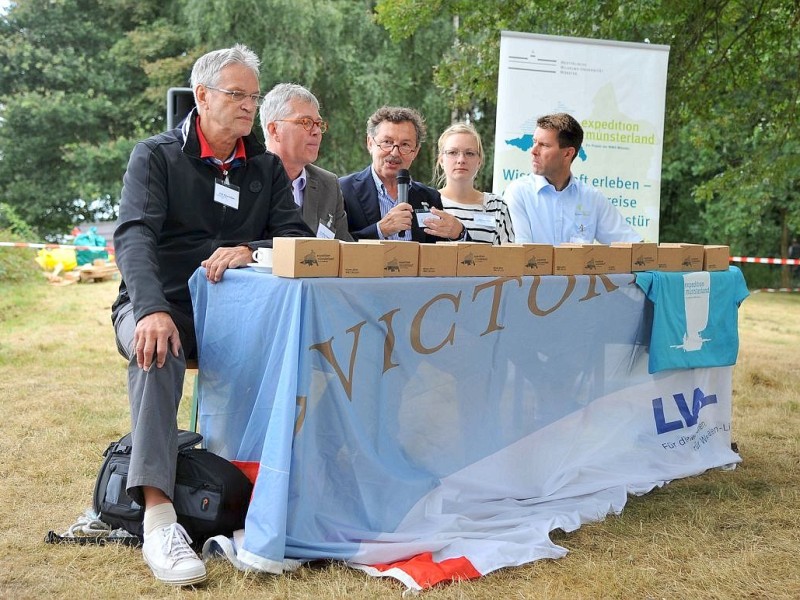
323	202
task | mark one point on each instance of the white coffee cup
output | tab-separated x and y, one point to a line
263	256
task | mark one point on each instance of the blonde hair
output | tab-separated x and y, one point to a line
439	177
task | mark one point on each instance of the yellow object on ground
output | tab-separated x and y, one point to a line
50	258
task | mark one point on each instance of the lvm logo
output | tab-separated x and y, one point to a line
689	415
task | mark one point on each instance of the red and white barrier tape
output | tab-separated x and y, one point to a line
54	246
768	261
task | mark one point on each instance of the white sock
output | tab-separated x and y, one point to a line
159	516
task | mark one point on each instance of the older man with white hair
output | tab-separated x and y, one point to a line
207	194
293	130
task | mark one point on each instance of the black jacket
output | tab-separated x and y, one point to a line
169	222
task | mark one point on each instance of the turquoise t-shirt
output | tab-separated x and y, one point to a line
695	317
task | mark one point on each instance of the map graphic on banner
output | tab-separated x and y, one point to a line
616	91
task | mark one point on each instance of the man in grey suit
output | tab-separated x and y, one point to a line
293	130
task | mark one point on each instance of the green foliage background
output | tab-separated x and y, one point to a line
82	80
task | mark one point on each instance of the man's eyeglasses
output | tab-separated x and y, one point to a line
238	96
455	153
308	123
388	147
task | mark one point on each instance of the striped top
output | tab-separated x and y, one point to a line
490	223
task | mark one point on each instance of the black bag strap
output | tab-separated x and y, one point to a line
100	540
188	439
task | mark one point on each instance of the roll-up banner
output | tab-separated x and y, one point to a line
616	91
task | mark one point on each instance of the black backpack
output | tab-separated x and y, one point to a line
211	494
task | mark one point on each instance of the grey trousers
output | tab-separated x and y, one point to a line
154	399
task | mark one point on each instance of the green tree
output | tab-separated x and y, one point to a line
340	53
80	83
82	80
731	169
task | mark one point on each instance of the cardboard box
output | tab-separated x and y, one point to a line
716	258
693	257
474	260
670	257
400	259
305	257
595	259
508	260
438	260
568	259
602	259
538	259
361	259
644	255
619	260
680	257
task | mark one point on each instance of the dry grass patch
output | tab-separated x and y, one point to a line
725	534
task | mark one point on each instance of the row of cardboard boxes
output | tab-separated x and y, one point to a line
317	257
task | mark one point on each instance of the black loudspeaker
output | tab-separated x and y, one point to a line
180	102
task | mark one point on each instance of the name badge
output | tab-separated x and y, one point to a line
324	232
484	219
424	213
226	194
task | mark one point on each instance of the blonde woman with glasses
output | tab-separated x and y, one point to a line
485	215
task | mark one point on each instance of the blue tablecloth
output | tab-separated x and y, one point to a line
462	417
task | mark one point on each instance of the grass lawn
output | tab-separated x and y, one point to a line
724	534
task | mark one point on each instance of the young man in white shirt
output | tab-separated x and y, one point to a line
550	206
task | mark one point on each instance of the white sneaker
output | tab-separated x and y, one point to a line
168	554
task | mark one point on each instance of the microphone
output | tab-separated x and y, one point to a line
403	181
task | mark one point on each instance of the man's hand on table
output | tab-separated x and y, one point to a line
226	258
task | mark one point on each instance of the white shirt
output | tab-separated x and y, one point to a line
578	213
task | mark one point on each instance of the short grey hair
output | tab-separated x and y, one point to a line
276	103
397	114
207	68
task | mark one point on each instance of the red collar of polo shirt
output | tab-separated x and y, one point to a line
207	152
